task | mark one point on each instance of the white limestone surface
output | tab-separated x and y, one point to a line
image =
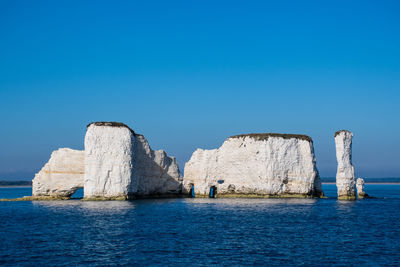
256	165
62	175
345	179
108	160
360	188
120	163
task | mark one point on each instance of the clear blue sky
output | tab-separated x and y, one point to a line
188	74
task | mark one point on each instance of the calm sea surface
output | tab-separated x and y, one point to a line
194	232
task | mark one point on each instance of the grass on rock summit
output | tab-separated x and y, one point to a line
111	124
265	136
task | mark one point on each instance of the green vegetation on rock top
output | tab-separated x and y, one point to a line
265	136
340	131
111	124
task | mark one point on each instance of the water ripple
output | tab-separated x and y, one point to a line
202	232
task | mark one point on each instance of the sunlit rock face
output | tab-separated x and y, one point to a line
360	188
109	160
256	165
345	180
120	164
62	175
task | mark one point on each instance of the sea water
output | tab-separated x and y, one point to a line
168	232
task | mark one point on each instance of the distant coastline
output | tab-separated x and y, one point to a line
387	180
15	183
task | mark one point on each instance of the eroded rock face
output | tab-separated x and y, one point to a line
154	172
108	161
256	165
62	175
345	180
121	164
360	188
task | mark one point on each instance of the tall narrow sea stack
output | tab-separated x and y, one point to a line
345	179
255	165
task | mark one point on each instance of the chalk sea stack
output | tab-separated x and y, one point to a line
345	179
108	160
62	175
119	164
255	165
360	189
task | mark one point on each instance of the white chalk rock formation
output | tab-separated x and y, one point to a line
360	188
345	180
154	172
121	165
108	161
256	165
62	175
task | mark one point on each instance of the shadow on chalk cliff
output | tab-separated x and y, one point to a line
155	173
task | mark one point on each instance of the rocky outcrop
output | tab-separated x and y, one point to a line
345	180
108	160
360	189
154	171
255	165
62	175
121	165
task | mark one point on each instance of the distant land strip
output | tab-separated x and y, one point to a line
15	183
385	180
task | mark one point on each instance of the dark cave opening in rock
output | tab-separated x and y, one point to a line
191	192
213	191
78	194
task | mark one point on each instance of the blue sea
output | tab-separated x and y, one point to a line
198	232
